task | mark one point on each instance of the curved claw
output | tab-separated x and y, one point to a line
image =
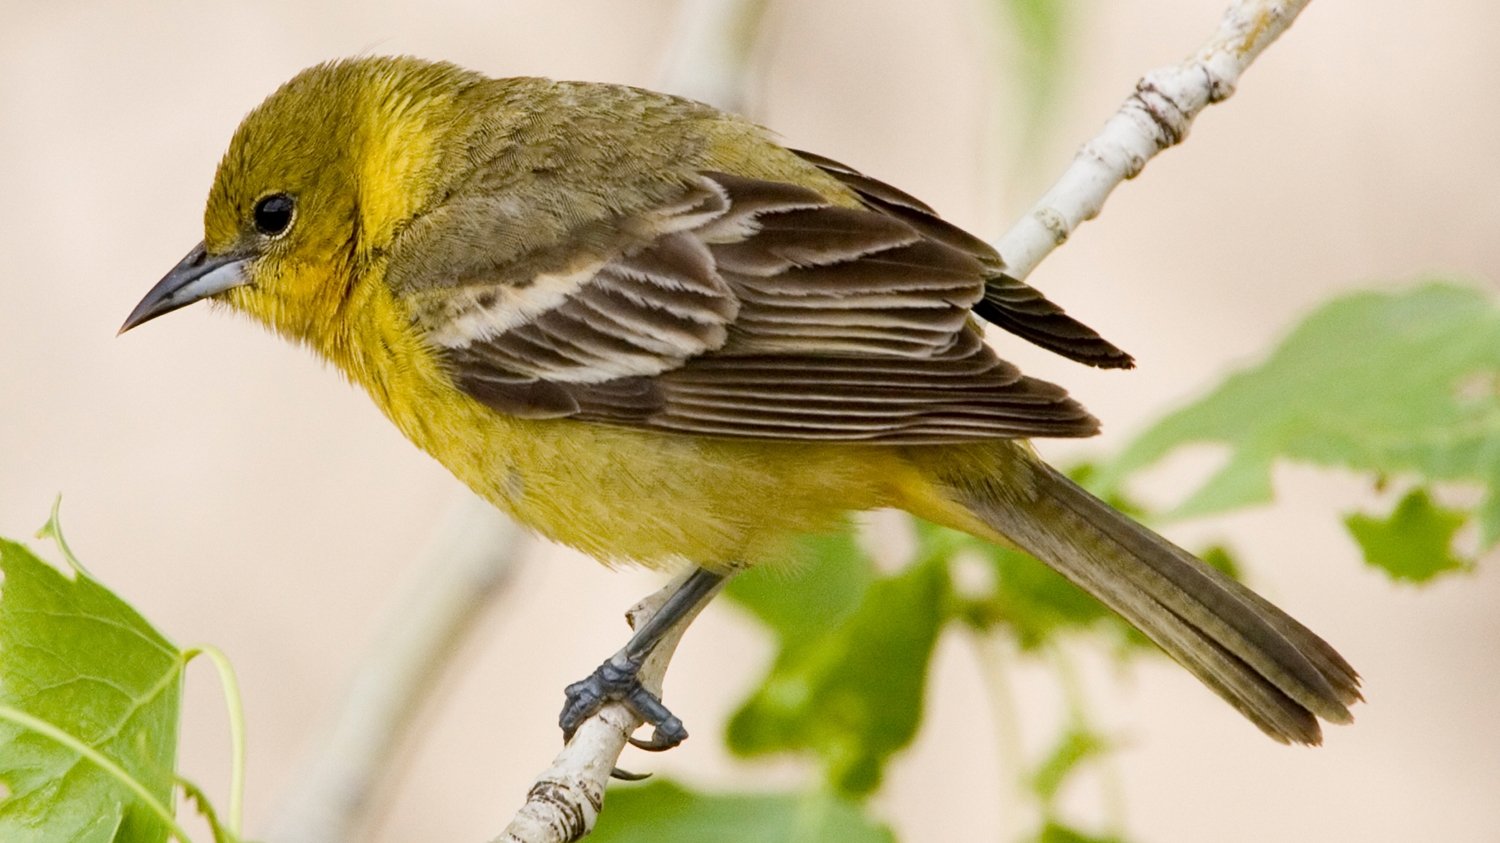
616	680
669	731
626	775
657	743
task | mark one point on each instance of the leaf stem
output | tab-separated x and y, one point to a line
53	530
1078	713
991	647
234	705
102	761
812	813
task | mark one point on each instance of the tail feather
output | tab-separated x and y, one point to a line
1273	669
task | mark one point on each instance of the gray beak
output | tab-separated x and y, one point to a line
196	277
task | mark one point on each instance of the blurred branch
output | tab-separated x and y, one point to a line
472	562
1157	115
711	51
993	651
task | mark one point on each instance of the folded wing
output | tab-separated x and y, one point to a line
759	309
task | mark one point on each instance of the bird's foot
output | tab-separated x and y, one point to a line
617	680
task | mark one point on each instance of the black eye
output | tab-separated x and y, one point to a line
273	214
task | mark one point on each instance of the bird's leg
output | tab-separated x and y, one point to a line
618	678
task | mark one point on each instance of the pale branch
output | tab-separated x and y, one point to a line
1157	115
471	562
565	801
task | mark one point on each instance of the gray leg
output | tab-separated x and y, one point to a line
617	679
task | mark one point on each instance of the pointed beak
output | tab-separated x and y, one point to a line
196	277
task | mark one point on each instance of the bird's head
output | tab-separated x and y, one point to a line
316	183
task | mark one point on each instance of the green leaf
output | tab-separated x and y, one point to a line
847	686
1058	833
1077	747
1391	383
1219	556
1041	29
664	812
1030	599
1414	543
823	586
205	808
89	704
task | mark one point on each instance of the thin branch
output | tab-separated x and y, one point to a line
993	650
565	801
472	562
1158	115
712	51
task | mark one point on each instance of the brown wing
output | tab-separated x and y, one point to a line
1011	304
759	309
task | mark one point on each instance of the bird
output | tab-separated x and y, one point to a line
645	329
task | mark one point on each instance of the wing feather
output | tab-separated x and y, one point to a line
1008	303
761	309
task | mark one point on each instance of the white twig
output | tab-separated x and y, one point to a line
1156	116
471	563
567	797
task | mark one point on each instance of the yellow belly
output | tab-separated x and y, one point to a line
660	499
627	495
635	496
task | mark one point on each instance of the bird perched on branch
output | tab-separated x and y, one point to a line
645	329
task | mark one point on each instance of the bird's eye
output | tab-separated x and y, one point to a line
273	214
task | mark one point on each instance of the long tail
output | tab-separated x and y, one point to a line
1270	667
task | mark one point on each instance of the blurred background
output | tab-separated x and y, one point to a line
238	492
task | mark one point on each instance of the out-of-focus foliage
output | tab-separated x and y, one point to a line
847	683
1040	32
822	587
854	647
1059	833
1415	542
80	670
1403	385
1077	744
664	812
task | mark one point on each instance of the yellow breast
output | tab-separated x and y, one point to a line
621	495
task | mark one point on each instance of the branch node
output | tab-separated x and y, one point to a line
566	809
1156	115
1054	222
1170	118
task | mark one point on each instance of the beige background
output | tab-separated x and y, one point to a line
239	493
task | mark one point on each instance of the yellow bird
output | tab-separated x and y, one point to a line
644	329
